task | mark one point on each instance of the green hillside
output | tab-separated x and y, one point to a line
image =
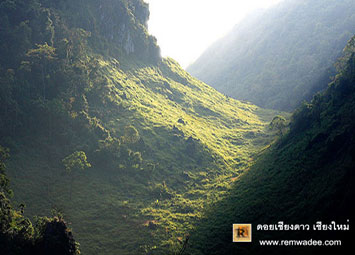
281	56
18	235
127	146
307	176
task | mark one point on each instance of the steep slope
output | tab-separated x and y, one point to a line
128	146
279	57
304	178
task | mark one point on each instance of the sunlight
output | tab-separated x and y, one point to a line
185	28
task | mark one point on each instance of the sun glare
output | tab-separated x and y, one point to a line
185	28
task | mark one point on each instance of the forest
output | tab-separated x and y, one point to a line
278	57
108	148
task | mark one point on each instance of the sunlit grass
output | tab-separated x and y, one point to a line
198	141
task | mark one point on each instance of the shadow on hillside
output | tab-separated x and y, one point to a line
291	185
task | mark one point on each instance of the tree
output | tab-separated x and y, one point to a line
4	181
16	232
278	123
131	134
19	236
42	56
56	237
77	161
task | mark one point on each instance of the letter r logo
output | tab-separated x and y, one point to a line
242	232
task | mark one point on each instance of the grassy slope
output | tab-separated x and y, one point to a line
76	86
306	177
111	203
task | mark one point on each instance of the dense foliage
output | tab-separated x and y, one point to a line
132	149
18	236
307	176
279	57
82	87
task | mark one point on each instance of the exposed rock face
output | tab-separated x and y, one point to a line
123	23
129	46
141	12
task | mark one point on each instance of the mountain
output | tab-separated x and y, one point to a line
304	178
281	56
126	146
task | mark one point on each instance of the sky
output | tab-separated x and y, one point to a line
185	28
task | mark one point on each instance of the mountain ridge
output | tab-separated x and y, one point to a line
110	135
279	57
304	178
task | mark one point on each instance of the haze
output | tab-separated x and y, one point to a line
185	28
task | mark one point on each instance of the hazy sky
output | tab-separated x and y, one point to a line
185	28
